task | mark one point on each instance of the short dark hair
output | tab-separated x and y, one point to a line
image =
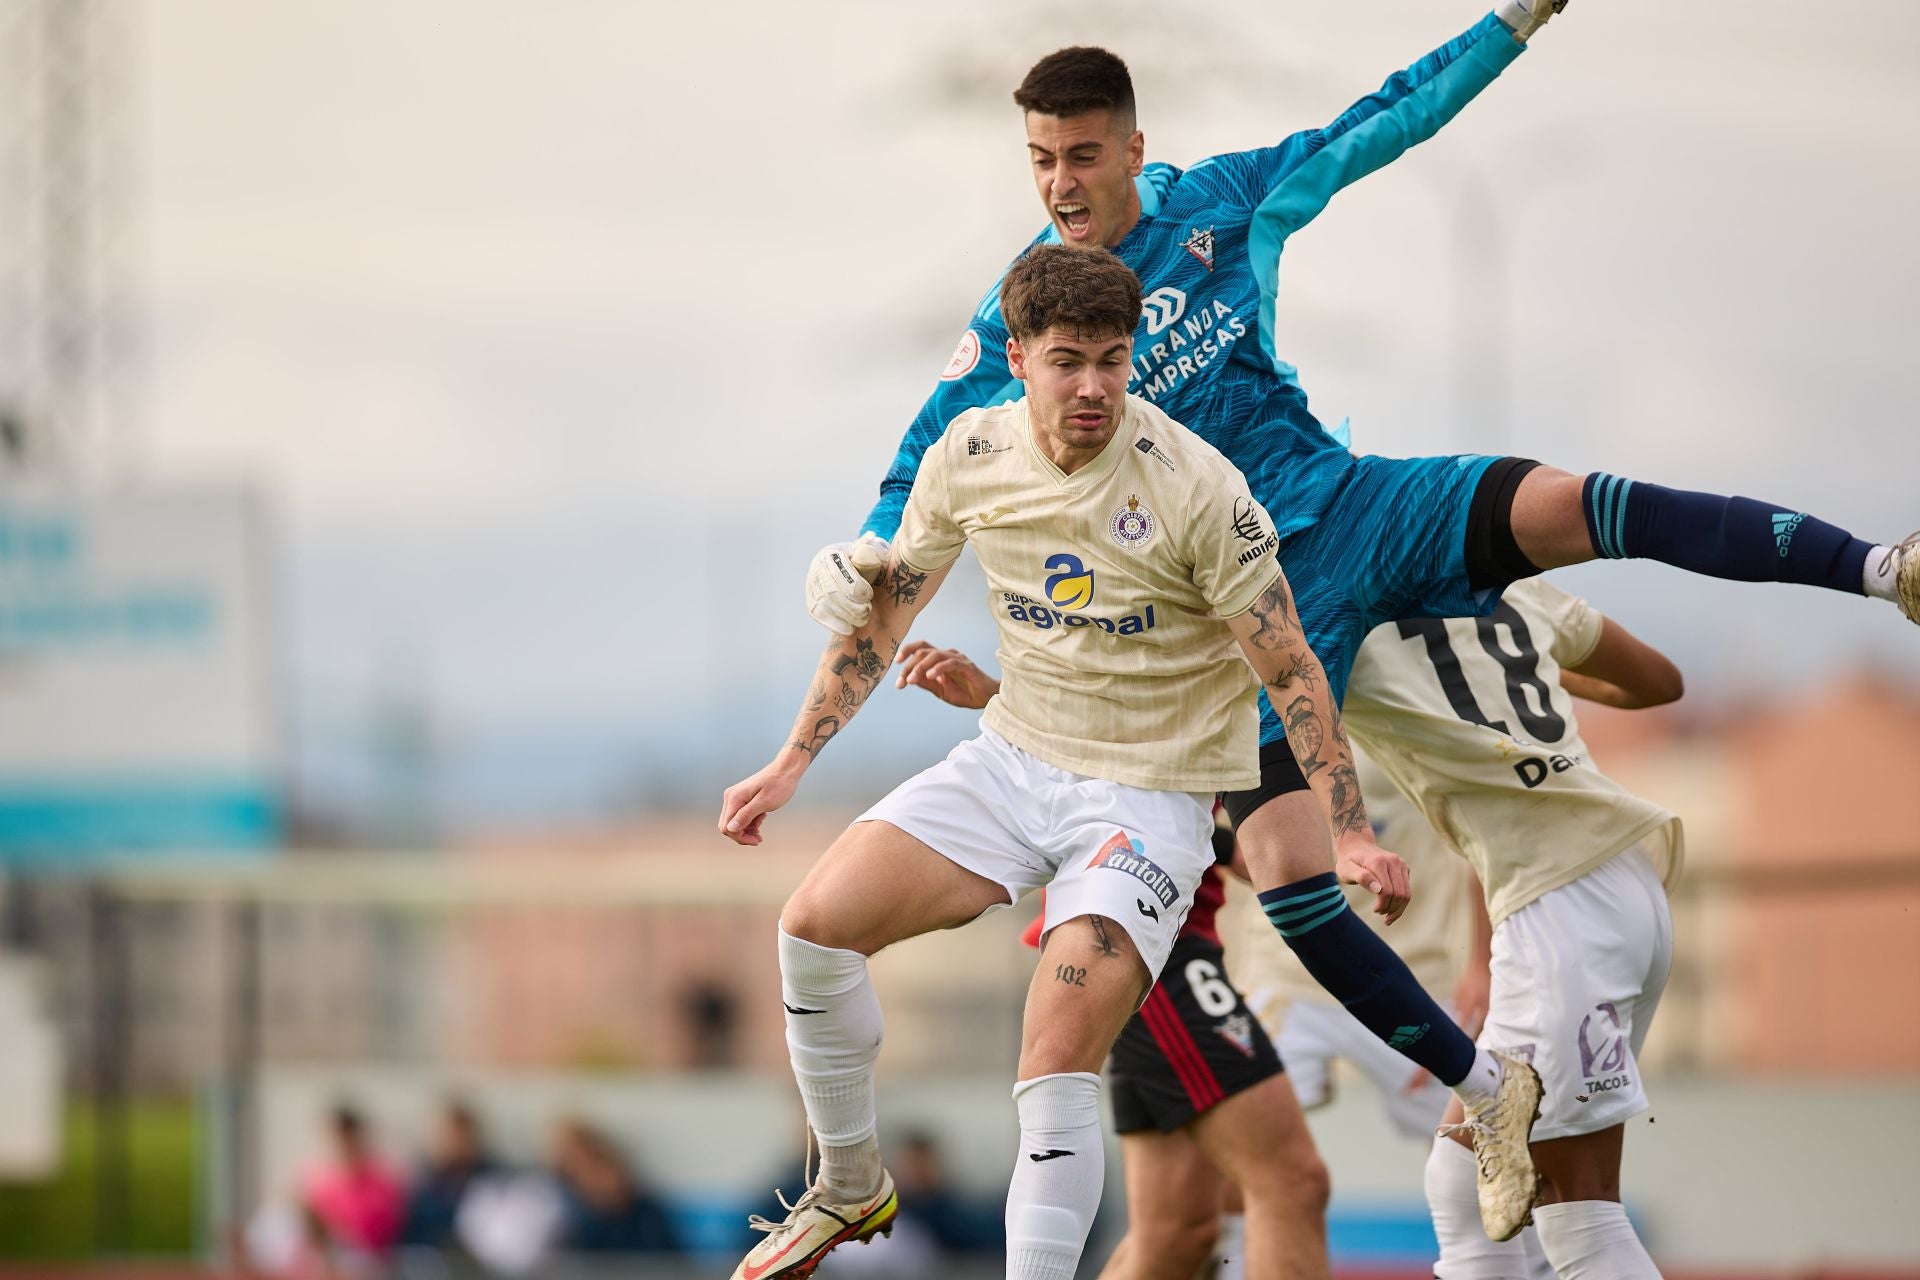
1088	292
1070	82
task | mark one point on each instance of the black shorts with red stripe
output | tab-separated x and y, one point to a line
1192	1045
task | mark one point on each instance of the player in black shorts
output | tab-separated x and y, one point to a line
1200	1099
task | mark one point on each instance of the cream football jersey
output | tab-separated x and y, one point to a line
1467	717
1434	936
1109	586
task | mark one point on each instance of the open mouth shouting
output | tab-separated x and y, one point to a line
1075	219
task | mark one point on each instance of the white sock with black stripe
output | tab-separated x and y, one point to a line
1057	1175
833	1039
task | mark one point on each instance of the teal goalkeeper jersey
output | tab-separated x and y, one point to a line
1207	251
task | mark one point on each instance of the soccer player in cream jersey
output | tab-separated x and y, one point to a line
1472	722
1115	545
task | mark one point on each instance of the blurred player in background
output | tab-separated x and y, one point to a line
1445	939
1121	592
1365	540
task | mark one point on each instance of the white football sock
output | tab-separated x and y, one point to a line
1482	1082
1232	1247
1592	1240
1877	575
1057	1175
1465	1252
833	1039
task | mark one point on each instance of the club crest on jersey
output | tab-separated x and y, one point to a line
964	358
1123	853
1200	245
1237	1030
1071	586
1132	525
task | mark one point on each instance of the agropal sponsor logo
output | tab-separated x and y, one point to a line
1068	592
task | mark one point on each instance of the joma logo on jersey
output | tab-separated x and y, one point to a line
1123	853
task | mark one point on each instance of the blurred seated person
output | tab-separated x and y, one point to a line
357	1200
607	1209
456	1159
958	1223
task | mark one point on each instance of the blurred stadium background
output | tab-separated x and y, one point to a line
414	422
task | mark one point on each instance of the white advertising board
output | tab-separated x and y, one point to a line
136	690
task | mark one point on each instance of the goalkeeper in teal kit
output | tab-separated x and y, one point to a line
1363	540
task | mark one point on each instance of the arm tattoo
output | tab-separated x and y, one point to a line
902	583
866	664
823	730
1349	813
816	696
1307	735
1279	628
858	673
1302	668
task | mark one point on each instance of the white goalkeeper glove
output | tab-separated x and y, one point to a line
1524	17
840	583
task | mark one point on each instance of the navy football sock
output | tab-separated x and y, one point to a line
1735	538
1362	973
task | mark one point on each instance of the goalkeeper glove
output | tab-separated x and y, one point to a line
840	583
1524	17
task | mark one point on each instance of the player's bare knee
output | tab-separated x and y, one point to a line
811	917
1177	1245
1289	1176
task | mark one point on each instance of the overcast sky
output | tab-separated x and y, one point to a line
561	335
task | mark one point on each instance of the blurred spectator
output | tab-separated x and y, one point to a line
607	1210
959	1224
936	1224
457	1159
357	1201
287	1243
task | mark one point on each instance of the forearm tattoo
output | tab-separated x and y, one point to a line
852	668
1312	718
900	583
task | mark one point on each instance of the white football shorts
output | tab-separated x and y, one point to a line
1098	848
1577	975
